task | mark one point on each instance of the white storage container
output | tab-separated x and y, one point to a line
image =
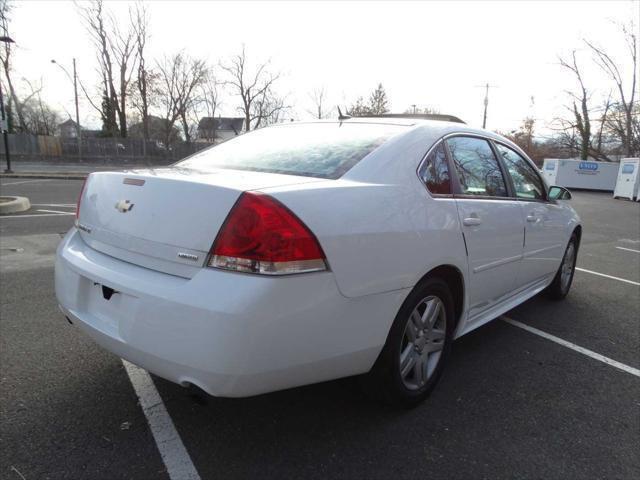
585	174
628	181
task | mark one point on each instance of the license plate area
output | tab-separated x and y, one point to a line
110	310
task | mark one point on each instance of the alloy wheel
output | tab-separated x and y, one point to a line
422	343
568	264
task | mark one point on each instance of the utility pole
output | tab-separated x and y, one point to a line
486	102
5	126
75	94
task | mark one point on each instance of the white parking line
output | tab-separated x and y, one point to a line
628	249
4	217
577	348
608	276
174	455
53	211
26	181
53	205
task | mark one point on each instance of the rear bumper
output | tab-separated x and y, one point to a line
231	334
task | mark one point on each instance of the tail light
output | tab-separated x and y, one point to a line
84	184
261	235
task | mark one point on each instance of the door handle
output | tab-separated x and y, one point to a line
532	218
471	221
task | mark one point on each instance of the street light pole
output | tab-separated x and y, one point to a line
75	94
5	126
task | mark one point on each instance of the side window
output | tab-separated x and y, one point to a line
477	167
526	181
435	171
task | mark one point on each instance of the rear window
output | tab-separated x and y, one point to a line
435	172
324	150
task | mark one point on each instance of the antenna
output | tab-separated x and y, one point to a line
341	116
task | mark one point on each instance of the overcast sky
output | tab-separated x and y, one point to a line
431	54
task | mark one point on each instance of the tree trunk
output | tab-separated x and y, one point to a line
122	117
629	133
185	128
14	97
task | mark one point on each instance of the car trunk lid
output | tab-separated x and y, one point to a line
165	219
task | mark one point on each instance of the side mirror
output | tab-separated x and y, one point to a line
559	193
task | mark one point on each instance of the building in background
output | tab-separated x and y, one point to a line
218	130
68	129
160	130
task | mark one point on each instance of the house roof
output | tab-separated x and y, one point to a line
68	122
152	121
221	123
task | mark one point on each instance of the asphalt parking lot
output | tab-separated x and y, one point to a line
512	404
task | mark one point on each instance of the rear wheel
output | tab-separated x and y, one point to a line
417	347
561	284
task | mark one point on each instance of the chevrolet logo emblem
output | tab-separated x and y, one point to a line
124	206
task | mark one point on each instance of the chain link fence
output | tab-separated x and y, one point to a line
100	151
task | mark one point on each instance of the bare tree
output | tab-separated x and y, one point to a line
39	117
582	122
209	91
270	108
206	104
117	55
140	21
626	91
255	88
180	78
5	58
318	97
359	108
601	132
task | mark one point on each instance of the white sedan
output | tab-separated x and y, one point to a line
306	252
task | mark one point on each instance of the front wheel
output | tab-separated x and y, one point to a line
417	347
561	284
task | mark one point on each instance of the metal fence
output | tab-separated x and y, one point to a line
27	147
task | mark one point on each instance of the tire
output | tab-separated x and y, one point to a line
424	356
561	284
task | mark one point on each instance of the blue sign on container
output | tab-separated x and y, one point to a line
592	166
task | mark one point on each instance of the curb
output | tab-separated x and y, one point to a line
61	176
18	204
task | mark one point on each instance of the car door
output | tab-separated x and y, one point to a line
544	241
491	221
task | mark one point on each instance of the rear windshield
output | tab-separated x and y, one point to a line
324	150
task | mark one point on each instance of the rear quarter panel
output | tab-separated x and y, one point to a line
380	236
